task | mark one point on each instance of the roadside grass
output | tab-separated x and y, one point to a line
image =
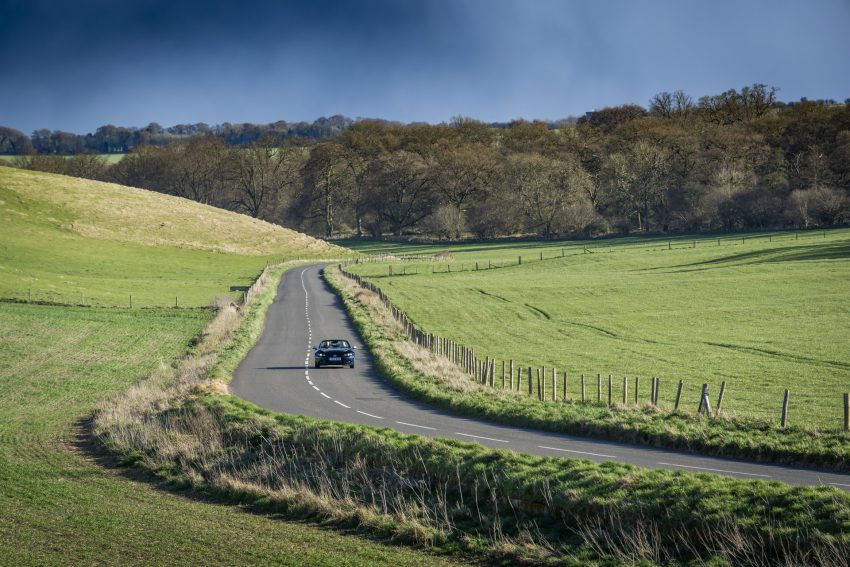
763	315
459	498
77	241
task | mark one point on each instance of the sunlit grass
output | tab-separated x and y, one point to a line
761	312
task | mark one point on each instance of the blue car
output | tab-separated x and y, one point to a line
334	352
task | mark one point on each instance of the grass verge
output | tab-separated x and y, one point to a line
459	498
430	379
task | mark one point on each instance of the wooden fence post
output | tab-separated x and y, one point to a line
652	391
564	393
720	398
520	260
704	402
512	373
519	379
541	383
610	388
503	374
131	301
554	384
598	388
846	412
625	389
493	373
637	389
678	395
784	419
582	388
530	383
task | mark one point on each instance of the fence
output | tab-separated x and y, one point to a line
437	265
130	300
548	384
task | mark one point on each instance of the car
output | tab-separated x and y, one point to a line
334	352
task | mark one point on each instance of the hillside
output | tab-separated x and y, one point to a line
61	501
72	240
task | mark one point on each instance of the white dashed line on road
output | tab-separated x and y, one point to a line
713	470
342	404
325	395
414	425
370	415
480	437
315	387
577	452
838	484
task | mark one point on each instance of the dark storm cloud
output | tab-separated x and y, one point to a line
77	65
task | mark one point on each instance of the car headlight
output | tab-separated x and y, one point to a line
320	354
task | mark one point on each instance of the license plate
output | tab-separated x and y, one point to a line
334	359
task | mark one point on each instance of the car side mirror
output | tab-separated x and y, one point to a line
315	348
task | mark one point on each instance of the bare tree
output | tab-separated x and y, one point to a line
264	174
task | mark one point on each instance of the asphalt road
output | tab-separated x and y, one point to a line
278	375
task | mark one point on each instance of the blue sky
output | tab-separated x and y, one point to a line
78	65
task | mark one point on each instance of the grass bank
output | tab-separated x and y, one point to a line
435	380
458	498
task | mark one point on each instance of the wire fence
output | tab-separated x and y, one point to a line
549	384
444	263
238	294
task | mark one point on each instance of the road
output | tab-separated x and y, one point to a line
278	375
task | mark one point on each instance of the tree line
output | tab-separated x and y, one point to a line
736	160
111	139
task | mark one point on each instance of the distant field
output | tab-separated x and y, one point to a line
110	158
78	241
763	314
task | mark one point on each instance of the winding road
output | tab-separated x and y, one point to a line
278	375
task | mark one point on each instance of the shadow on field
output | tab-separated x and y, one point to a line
801	253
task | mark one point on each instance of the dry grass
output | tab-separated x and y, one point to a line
438	368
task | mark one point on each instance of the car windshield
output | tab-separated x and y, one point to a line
334	344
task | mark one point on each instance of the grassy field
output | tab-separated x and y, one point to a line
70	240
61	503
59	506
763	314
110	158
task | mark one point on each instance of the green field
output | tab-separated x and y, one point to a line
110	158
60	506
77	241
763	314
60	502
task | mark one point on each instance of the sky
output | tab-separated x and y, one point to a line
78	65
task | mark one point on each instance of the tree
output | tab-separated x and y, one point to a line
14	142
400	190
637	181
264	174
548	191
327	182
201	171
